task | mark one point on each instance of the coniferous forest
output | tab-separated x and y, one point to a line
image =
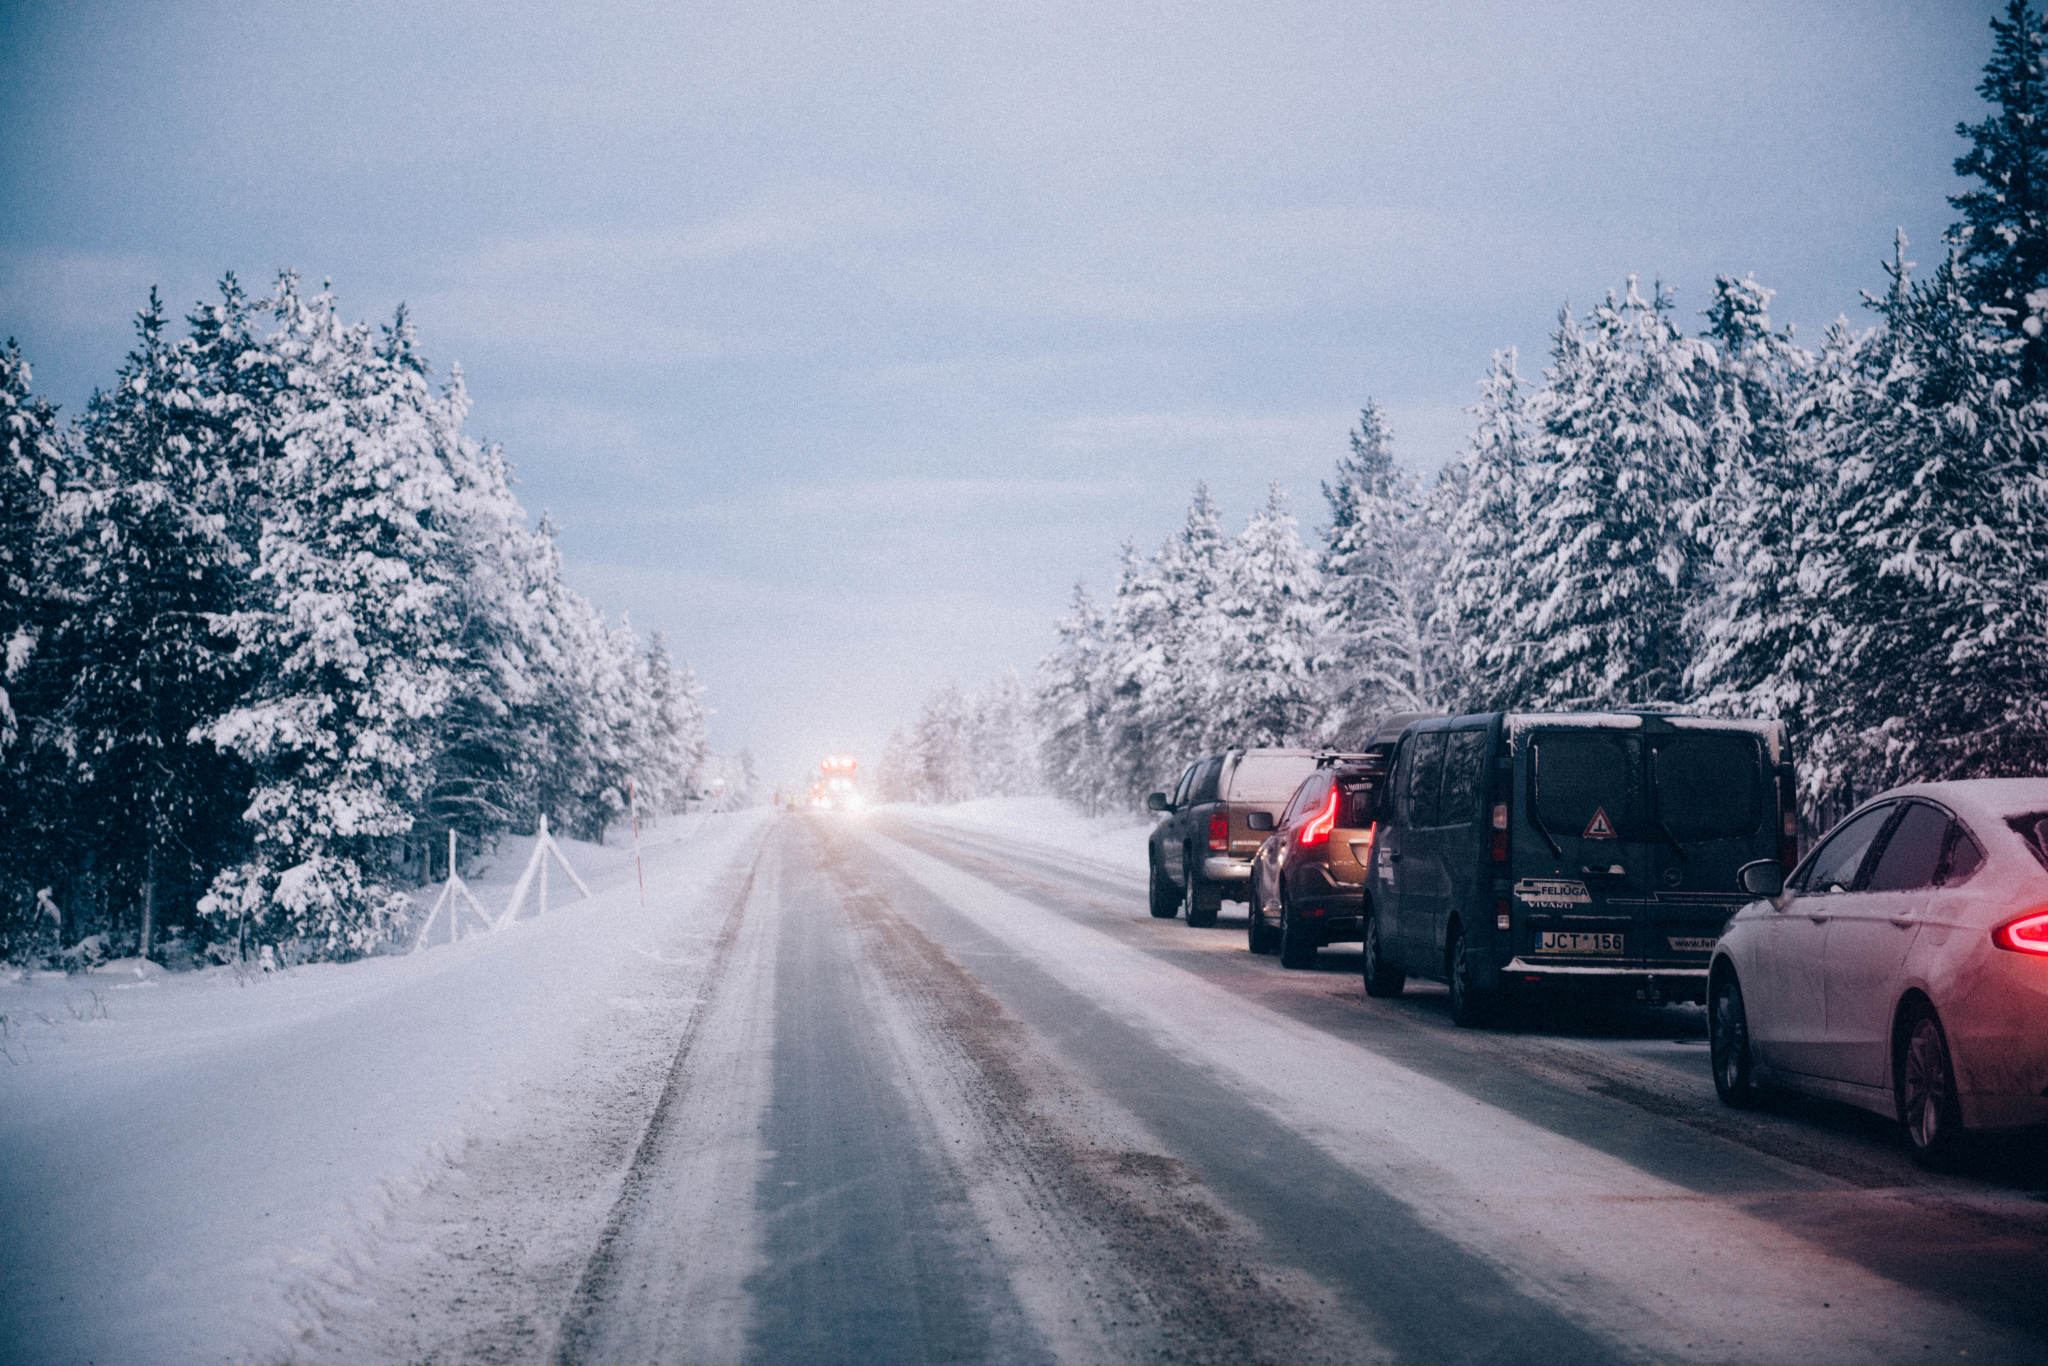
1850	534
274	626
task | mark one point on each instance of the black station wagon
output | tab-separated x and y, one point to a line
1522	853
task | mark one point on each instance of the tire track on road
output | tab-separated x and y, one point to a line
577	1331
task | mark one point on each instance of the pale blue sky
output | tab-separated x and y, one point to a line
841	338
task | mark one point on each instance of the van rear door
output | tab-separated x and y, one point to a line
1579	852
1712	808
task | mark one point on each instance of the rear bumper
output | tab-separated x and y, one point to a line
1674	983
1223	868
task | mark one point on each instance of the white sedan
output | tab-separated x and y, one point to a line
1903	967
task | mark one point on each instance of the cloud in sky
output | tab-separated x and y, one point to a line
841	338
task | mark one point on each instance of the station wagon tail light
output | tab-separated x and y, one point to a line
1500	832
1219	831
2028	934
1322	823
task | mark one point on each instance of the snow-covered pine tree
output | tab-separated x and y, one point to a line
167	473
939	744
1380	566
1188	572
1140	648
36	460
32	463
1073	692
1479	592
1762	636
1609	560
896	774
350	634
1002	754
1938	577
488	738
2003	238
670	766
1261	663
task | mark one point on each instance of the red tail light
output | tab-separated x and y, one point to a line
1788	839
1219	832
1321	824
1500	832
2028	934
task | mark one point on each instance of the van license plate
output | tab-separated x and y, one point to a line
1570	941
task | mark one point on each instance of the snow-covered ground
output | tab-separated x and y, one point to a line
1116	840
199	1166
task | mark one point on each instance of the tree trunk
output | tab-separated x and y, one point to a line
148	898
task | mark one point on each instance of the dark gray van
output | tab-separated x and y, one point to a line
1585	851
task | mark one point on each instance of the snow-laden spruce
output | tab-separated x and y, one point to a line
276	624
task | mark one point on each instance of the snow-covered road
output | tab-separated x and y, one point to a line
904	1088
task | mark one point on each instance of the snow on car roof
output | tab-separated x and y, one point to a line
1990	799
1625	720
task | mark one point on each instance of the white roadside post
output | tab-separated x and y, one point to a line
544	848
455	887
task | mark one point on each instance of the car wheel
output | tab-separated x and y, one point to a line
1728	1044
1470	1006
1165	896
1297	942
1928	1112
1381	977
1203	901
1259	936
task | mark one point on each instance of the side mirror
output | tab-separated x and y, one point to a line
1156	802
1259	820
1765	878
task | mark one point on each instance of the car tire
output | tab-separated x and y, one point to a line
1203	901
1471	1006
1929	1115
1298	943
1165	896
1728	1046
1259	936
1382	979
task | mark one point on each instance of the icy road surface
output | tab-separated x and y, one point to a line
905	1089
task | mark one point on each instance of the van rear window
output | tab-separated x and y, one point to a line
1708	787
1579	774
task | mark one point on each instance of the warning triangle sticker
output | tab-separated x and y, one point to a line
1599	828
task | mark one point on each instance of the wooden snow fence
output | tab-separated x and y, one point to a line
455	895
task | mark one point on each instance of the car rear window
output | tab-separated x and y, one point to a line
1361	803
1709	787
2034	830
1578	775
1269	777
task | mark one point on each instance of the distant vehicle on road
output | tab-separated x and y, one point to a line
1570	852
1202	852
1308	880
1903	967
837	787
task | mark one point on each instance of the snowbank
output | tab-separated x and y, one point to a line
1117	841
190	1162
